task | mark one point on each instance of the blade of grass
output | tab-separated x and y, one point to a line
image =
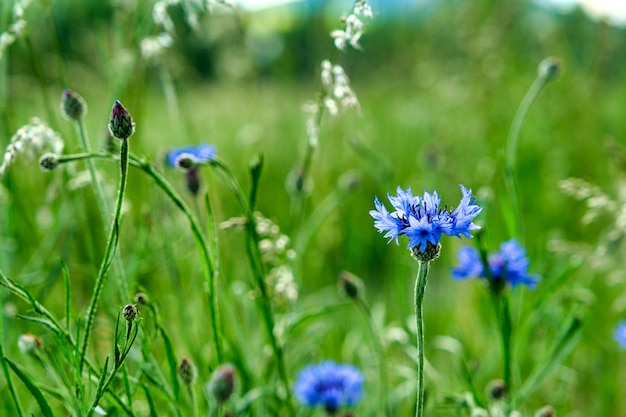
30	385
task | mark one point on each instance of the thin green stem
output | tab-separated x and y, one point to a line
201	242
254	258
511	151
103	207
108	254
192	398
5	371
420	288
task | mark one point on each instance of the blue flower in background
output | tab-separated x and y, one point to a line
620	334
423	220
330	385
200	153
509	265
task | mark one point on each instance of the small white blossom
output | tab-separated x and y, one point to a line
31	140
154	46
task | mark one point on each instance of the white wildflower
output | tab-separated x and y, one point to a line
154	46
362	8
331	106
161	17
31	140
29	343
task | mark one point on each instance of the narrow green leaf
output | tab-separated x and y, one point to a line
66	277
30	385
172	362
151	407
44	322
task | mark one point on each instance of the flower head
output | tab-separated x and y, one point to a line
121	124
620	334
423	220
187	157
330	385
73	106
222	383
508	265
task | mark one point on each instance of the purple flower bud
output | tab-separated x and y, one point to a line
73	106
222	383
121	125
187	371
130	312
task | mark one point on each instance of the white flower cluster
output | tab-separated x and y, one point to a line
353	30
31	140
17	27
154	46
276	252
337	88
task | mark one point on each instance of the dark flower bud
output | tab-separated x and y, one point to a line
193	181
549	68
141	299
496	389
351	284
187	371
121	125
547	411
73	106
49	161
222	383
130	312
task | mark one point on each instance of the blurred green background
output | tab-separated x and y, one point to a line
438	89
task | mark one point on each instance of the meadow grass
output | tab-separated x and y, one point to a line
437	100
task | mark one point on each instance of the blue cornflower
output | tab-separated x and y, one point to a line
620	334
509	265
423	220
330	385
197	154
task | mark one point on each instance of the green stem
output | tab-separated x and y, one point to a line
511	150
420	288
5	370
108	254
254	258
104	208
201	242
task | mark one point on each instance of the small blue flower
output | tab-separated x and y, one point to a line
423	220
620	334
330	385
199	154
509	265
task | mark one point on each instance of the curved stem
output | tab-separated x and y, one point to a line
108	254
256	264
420	288
511	149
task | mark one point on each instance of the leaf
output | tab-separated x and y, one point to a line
173	364
151	407
36	392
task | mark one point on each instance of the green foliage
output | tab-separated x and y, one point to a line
438	95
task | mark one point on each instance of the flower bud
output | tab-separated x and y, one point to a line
186	162
49	161
130	312
547	411
351	284
222	383
29	343
429	254
141	299
187	371
496	389
193	181
73	106
549	68
121	125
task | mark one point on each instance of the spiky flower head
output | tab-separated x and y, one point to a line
73	106
423	220
509	265
189	157
187	371
222	383
121	125
330	385
130	312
